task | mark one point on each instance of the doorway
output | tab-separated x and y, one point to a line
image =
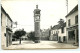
71	36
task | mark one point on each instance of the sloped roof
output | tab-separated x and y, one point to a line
58	26
2	9
72	11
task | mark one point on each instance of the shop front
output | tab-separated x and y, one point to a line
8	36
73	35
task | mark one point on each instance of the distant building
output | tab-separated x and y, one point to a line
54	33
45	34
24	37
62	33
58	33
72	26
6	28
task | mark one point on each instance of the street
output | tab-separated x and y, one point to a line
42	45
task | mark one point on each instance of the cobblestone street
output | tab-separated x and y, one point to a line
41	45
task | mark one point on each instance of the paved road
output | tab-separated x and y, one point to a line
42	44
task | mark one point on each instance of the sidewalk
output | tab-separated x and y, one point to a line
41	45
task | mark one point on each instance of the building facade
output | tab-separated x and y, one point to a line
72	26
54	33
6	28
62	33
58	33
45	34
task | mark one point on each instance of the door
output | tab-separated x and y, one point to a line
71	36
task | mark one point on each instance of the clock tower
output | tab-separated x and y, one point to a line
37	24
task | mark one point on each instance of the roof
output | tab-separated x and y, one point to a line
58	26
2	9
73	10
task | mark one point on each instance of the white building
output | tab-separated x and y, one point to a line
58	33
45	34
62	33
6	29
54	33
72	25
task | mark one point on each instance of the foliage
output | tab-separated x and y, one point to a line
61	22
31	36
18	34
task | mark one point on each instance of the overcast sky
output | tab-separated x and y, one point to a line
51	12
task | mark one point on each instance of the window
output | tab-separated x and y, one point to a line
5	34
69	22
58	31
54	32
76	19
62	29
1	19
51	32
11	24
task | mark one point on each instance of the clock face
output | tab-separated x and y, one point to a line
37	18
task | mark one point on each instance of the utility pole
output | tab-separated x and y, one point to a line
67	5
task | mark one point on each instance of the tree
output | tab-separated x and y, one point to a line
19	33
61	22
31	36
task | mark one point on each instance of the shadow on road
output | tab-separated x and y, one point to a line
16	44
23	42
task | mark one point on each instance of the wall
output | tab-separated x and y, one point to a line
5	22
52	34
61	34
9	23
72	18
3	30
45	34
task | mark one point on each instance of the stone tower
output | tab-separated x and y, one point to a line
37	24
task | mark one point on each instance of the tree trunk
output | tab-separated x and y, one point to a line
20	41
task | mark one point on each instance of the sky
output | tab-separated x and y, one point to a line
51	11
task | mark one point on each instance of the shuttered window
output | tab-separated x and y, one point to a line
76	19
69	22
